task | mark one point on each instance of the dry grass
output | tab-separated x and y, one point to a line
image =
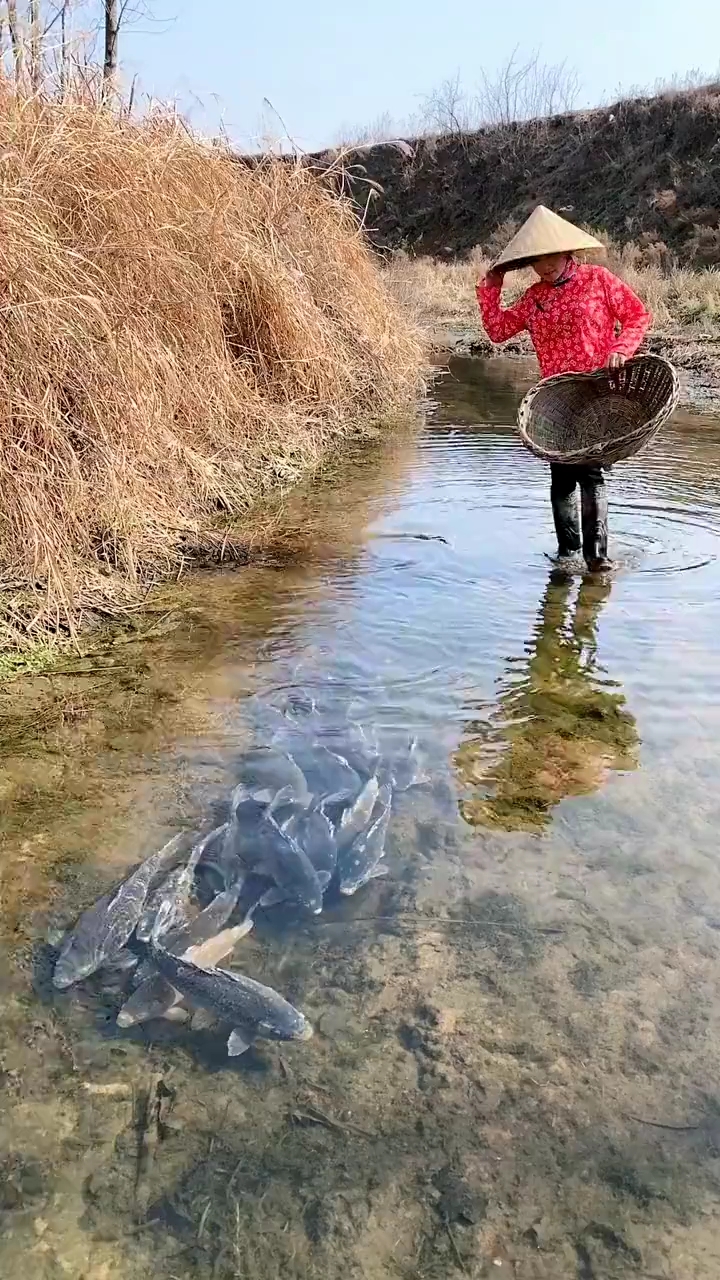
442	294
179	334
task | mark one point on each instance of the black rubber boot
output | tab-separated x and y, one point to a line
567	526
594	509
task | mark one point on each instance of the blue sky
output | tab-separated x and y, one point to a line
325	65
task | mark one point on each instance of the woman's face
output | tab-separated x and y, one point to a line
550	266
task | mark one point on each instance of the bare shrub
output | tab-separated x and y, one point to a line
521	89
448	109
382	129
527	89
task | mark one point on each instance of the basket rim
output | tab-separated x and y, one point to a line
640	435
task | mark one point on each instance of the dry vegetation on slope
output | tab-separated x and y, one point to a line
179	334
645	169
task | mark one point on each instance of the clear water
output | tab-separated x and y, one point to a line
515	1066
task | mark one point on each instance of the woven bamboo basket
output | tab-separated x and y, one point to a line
596	419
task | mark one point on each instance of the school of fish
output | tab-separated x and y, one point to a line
310	812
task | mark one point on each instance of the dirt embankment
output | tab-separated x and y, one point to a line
646	169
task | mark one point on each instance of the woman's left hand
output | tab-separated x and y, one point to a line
615	360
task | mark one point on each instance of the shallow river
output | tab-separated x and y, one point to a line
516	1063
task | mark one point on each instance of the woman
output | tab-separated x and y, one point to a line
580	318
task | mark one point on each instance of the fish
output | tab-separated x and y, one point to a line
360	862
264	716
220	866
356	817
201	1019
328	772
312	831
152	999
286	863
244	830
264	772
176	888
409	769
254	890
364	761
104	928
297	704
156	995
144	970
180	898
166	889
207	923
251	1008
123	961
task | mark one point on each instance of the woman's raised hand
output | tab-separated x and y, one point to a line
494	278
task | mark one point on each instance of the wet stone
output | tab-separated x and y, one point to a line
458	1202
319	1218
22	1182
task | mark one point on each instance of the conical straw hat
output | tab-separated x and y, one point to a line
544	232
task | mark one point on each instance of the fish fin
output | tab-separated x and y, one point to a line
237	795
198	850
202	1019
324	878
245	927
334	797
378	872
122	960
197	954
176	1013
284	796
237	1043
143	930
162	921
273	897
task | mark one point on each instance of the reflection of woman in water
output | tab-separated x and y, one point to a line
561	726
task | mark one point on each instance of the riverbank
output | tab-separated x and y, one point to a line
183	338
440	298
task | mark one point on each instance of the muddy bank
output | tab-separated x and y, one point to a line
697	358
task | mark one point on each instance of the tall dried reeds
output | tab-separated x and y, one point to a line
179	333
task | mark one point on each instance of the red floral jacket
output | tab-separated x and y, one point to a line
574	325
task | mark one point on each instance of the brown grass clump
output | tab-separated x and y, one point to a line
179	333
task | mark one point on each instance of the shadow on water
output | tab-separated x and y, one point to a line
558	727
514	1066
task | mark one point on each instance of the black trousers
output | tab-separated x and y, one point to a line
564	481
